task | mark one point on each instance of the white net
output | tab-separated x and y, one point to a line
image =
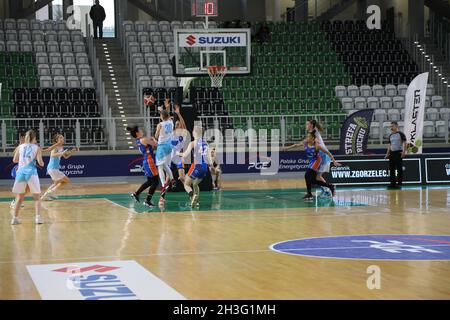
217	73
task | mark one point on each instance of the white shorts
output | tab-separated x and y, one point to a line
164	154
56	175
33	184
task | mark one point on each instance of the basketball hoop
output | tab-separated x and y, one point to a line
216	73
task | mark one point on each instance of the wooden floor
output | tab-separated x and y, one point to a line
222	252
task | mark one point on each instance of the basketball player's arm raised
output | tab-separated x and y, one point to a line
180	117
188	150
158	129
319	147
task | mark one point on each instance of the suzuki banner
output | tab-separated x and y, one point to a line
191	40
355	132
414	113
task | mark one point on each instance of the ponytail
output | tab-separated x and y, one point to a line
30	136
133	131
316	125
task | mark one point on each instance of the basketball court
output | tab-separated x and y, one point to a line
267	84
222	250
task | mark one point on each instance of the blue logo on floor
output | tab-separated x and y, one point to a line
370	247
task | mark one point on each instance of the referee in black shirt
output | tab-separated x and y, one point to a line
396	151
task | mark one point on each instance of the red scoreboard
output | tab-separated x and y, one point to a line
205	8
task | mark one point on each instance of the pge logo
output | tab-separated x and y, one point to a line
259	165
191	40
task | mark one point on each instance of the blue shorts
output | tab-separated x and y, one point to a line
198	171
180	165
164	153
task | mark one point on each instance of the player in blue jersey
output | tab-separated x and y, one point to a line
53	169
315	153
27	179
199	166
178	143
147	148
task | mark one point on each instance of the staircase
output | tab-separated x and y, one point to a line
119	88
440	6
336	8
439	60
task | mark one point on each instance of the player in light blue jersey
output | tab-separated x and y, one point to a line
53	168
14	168
26	155
164	133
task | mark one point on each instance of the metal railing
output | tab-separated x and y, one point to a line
439	32
95	63
426	63
291	129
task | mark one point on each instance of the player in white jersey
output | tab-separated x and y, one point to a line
164	134
214	168
26	156
178	143
53	170
315	127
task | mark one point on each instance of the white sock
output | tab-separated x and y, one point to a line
162	175
166	166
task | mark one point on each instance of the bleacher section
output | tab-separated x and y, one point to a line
294	73
389	104
47	55
370	56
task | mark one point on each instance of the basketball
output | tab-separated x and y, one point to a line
149	100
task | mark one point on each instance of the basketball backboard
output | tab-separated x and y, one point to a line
196	49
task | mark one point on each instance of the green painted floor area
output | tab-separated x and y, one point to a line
220	201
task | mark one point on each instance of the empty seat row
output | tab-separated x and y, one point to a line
50	94
51	109
431	129
164	26
145	47
24	24
67	69
41	46
376	90
61	58
397	102
398	114
154	69
157	82
144	36
63	82
38	35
